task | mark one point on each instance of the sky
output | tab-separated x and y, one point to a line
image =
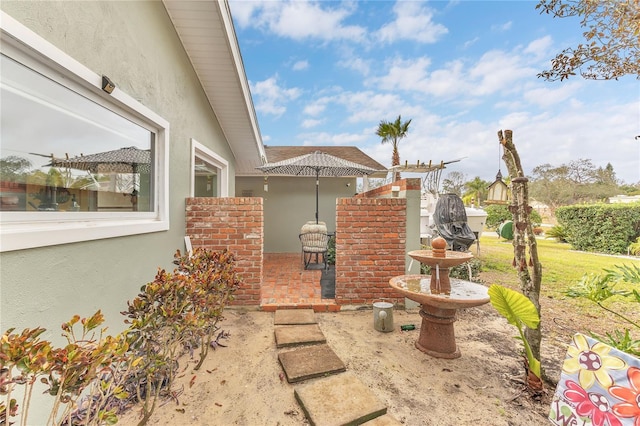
328	72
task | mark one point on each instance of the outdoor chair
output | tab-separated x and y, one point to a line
314	243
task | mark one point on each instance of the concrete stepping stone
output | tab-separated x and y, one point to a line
294	316
385	420
292	335
338	400
309	362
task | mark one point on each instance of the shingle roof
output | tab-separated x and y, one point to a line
349	153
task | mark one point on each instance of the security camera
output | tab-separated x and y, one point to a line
348	185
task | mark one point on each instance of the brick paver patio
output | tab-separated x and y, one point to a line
286	284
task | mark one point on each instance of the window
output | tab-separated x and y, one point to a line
75	163
210	175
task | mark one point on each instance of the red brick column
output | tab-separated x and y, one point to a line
370	249
236	224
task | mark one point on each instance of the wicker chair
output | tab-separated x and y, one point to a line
315	243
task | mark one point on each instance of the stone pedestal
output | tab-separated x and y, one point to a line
437	336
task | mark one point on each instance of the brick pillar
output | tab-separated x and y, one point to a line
370	249
236	224
371	242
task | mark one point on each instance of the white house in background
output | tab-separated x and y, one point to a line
625	199
86	237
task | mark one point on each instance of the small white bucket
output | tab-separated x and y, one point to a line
383	316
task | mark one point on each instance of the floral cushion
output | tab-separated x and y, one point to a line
599	386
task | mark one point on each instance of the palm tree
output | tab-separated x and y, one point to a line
478	188
393	132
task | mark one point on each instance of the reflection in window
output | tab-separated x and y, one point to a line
63	152
206	179
210	172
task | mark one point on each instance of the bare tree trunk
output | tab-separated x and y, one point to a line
523	236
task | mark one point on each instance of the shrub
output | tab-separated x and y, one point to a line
634	248
605	228
173	314
331	251
498	213
215	282
558	233
460	271
66	372
600	287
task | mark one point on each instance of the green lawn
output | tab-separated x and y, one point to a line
561	268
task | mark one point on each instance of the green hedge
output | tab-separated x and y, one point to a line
498	213
604	228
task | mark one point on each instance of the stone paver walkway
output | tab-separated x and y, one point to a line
326	397
291	335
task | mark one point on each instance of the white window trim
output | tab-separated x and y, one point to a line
23	230
211	157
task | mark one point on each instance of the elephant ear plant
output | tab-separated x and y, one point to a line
521	312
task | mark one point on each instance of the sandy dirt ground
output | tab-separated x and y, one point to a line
243	383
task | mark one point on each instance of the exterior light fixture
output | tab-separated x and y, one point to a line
107	84
266	185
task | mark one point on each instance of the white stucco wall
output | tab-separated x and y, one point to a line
135	45
291	202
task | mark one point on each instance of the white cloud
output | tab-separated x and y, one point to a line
499	28
413	22
309	123
300	20
243	12
300	65
403	75
467	44
569	134
272	98
546	97
371	106
539	48
448	81
498	71
359	65
545	137
332	139
316	107
495	71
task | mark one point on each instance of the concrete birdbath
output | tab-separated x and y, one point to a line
439	297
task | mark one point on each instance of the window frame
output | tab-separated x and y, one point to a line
201	151
24	230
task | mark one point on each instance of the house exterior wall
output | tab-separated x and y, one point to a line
135	44
235	224
291	202
375	231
